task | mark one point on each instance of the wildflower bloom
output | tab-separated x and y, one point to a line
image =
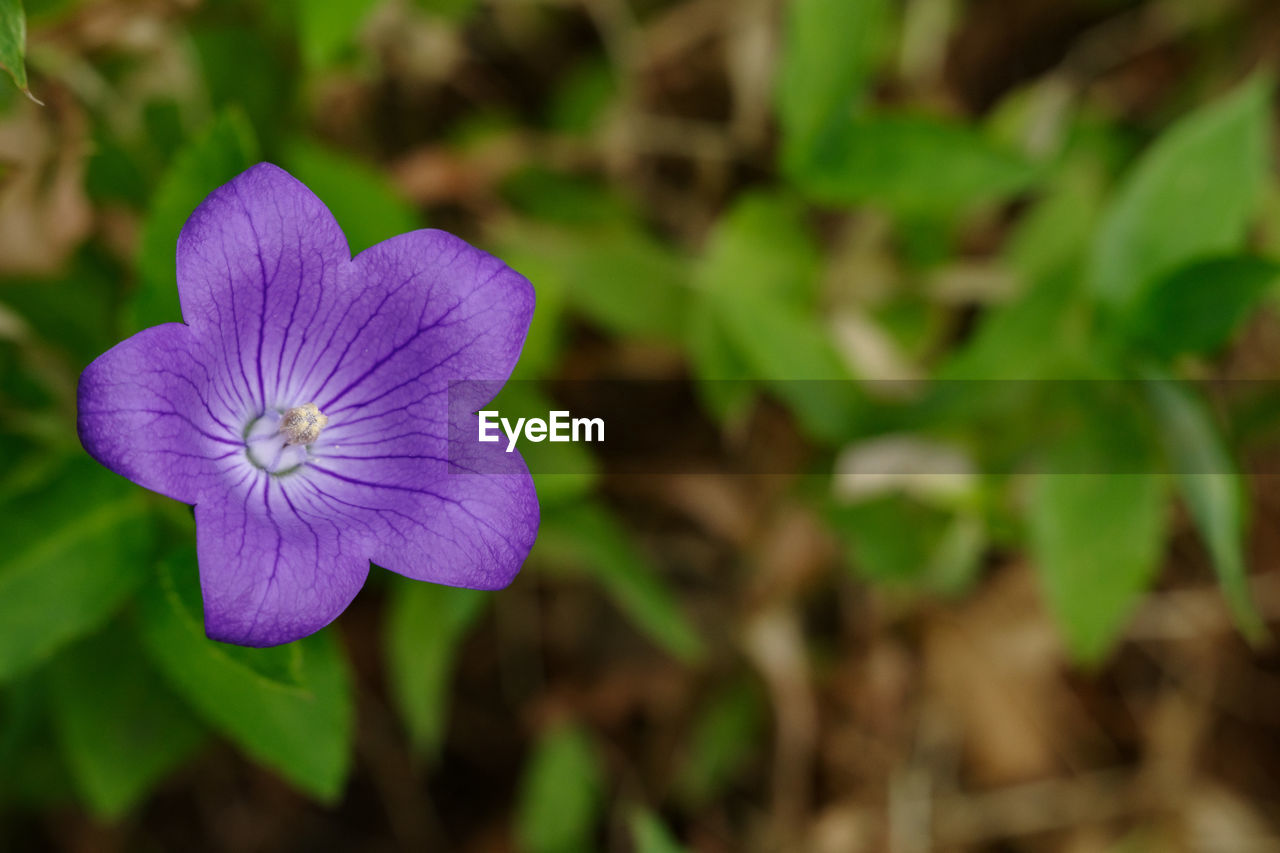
302	409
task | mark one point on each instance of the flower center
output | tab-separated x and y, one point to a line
277	442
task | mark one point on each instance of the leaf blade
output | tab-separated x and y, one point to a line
588	537
1192	194
120	727
561	793
425	625
13	43
75	552
305	734
1213	491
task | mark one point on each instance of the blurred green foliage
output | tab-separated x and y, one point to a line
1128	262
13	41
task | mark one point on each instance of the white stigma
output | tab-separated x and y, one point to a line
302	424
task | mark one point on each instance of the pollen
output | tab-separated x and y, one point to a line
302	424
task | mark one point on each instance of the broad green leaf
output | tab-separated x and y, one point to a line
830	51
791	350
719	367
425	625
727	732
235	53
912	165
223	151
1198	307
1192	194
13	42
75	311
628	283
1097	539
34	772
328	28
120	727
362	199
759	278
1212	489
588	538
878	549
762	246
614	274
1055	234
650	835
278	666
303	732
74	550
1032	337
561	794
554	197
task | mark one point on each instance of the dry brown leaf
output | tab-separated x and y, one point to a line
44	211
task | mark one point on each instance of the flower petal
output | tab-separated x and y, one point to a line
259	269
150	410
469	530
434	309
274	565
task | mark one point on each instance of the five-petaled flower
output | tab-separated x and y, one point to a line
302	409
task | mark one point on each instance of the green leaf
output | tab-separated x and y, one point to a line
613	273
13	42
1198	307
792	351
1212	489
587	537
1055	235
304	733
1032	337
717	364
75	311
874	529
759	278
727	732
120	727
74	549
328	28
628	283
1192	194
830	52
561	794
911	166
362	199
223	151
232	54
1097	540
425	625
762	246
555	197
650	835
34	771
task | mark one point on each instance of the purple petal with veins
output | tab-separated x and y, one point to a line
303	409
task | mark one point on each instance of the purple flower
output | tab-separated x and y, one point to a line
303	409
